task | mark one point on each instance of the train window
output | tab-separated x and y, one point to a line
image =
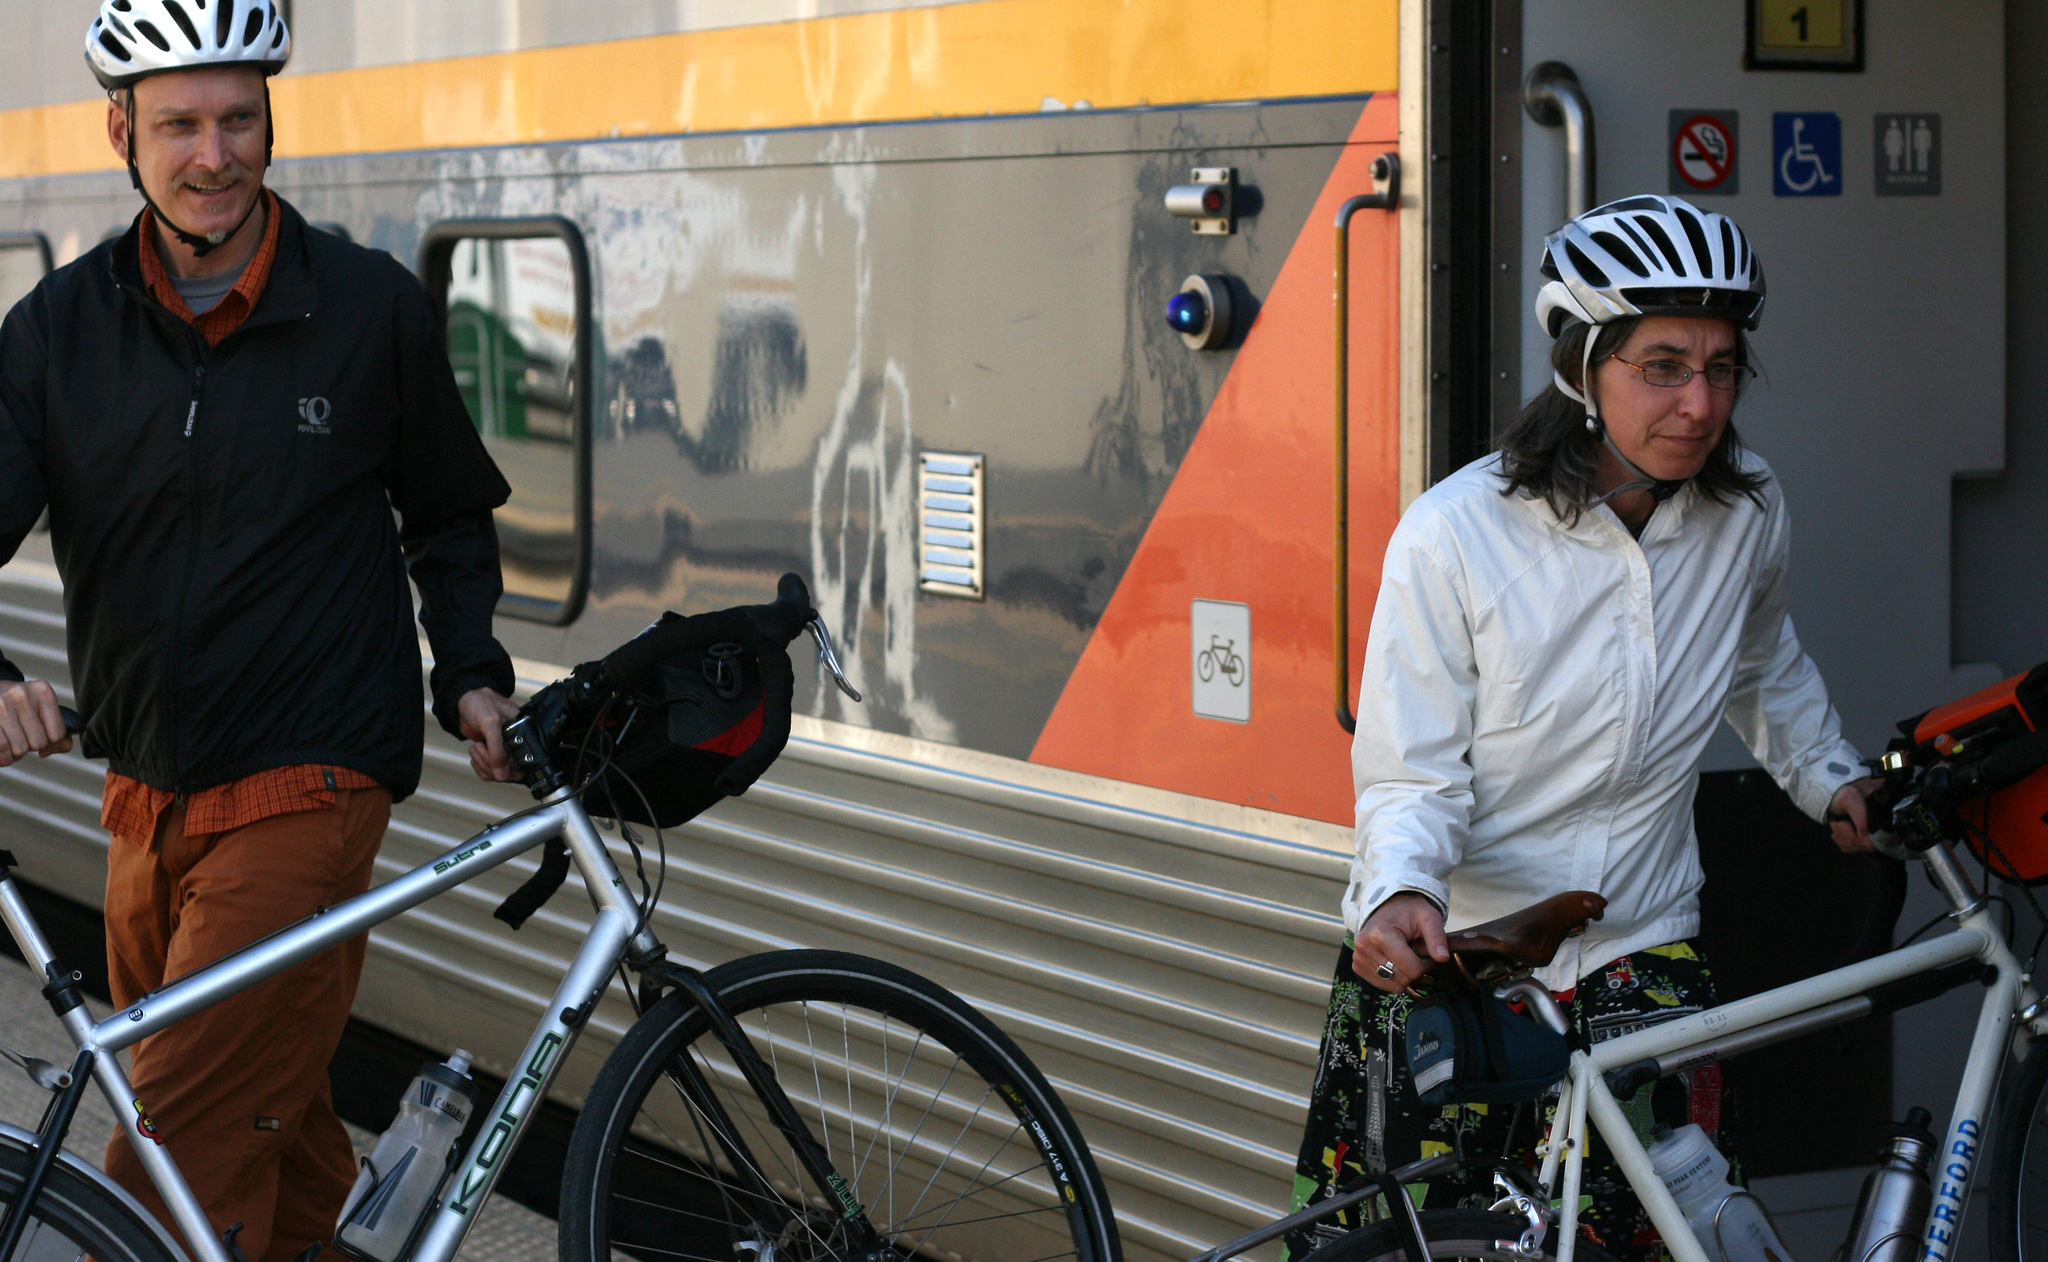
515	294
24	259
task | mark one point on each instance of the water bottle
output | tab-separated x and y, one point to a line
1893	1207
402	1175
1731	1223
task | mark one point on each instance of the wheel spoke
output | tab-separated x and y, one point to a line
898	1083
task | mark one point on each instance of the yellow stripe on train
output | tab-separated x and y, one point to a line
950	61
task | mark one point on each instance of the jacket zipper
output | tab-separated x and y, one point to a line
192	411
192	512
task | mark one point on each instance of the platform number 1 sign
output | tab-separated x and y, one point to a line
1805	35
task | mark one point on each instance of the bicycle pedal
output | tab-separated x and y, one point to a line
234	1248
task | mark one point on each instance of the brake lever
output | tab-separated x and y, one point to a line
828	657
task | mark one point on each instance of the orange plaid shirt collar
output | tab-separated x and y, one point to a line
227	315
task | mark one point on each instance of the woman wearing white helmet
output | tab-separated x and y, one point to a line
1560	628
134	40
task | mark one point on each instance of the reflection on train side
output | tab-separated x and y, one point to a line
512	329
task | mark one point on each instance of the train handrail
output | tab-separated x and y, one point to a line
1554	98
1386	177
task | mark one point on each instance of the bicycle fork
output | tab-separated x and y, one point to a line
817	1163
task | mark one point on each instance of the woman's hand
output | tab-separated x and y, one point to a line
1392	935
1849	816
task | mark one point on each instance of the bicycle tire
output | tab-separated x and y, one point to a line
74	1217
2016	1189
952	1141
1447	1233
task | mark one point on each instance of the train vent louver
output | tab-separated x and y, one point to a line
951	524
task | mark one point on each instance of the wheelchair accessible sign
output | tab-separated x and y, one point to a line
1806	155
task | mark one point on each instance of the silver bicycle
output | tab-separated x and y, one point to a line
796	1106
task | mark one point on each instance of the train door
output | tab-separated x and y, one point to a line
1862	145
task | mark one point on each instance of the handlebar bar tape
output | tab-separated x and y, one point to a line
630	666
2015	761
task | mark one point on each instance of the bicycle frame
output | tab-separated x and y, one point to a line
1783	1013
614	932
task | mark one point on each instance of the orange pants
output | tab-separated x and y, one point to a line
239	1092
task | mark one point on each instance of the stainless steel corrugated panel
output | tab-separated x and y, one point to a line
1169	977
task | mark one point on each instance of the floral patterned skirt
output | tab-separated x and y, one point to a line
1364	1114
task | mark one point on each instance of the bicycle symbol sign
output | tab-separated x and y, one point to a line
1806	153
1220	645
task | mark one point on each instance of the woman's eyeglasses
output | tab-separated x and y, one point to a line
1671	374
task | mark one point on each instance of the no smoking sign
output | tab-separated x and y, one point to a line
1703	153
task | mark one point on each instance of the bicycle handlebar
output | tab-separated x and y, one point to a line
630	667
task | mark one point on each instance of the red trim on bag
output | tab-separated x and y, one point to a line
735	739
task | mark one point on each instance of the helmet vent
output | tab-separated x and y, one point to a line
1586	267
1656	233
277	39
224	25
1629	203
1619	249
1642	242
251	29
149	32
114	46
122	5
1727	250
184	24
1696	234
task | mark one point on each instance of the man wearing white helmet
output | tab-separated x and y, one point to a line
221	411
1560	628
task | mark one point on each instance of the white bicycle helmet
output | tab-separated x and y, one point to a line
1648	255
133	39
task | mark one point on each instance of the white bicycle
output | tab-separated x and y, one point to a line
1933	801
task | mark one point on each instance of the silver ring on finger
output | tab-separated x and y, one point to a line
1387	970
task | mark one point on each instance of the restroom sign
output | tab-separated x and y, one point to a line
1703	152
1907	158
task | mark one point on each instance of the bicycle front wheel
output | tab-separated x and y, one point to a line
2017	1188
951	1142
1449	1233
75	1218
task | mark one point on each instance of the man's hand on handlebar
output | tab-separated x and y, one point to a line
1849	816
1406	931
484	714
29	721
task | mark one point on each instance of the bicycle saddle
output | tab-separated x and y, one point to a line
1518	942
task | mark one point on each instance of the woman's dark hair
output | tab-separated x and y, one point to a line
1548	450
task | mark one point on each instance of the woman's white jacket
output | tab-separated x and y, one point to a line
1537	697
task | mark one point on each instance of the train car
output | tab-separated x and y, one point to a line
878	291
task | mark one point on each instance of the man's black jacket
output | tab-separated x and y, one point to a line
234	581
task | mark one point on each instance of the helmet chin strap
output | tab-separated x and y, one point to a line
1660	489
199	245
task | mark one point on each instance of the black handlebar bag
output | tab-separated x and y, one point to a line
690	711
671	750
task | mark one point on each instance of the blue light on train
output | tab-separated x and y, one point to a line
1188	312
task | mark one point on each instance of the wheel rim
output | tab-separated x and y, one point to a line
958	1167
2030	1186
